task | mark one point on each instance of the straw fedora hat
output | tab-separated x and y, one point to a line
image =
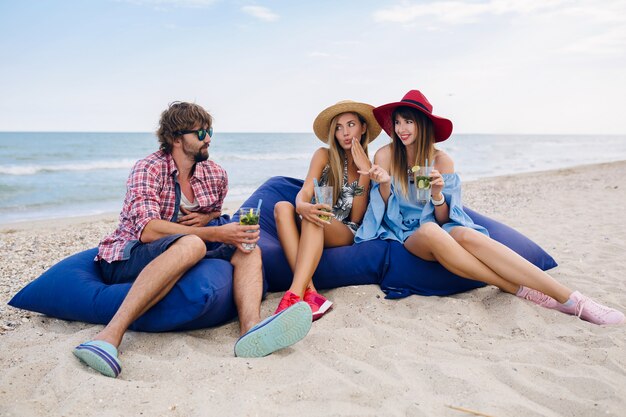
415	100
321	125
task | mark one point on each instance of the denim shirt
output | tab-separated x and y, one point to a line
401	216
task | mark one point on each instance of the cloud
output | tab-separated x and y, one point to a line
610	43
595	27
261	13
458	12
177	3
316	54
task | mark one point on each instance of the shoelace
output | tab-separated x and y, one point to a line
580	307
593	308
289	301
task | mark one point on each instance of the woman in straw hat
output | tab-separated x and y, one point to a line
440	230
302	230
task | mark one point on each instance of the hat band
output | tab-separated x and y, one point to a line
406	100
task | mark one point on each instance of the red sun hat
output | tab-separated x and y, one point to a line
416	100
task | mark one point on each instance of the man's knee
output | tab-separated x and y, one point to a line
251	259
189	248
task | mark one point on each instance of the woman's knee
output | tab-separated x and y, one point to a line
430	231
466	237
424	241
282	209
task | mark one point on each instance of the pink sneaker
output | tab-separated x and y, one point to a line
537	297
591	311
287	301
318	303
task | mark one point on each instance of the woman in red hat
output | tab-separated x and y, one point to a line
302	231
439	229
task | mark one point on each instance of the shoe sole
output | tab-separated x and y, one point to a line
276	332
97	358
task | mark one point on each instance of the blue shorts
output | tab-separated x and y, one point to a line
142	254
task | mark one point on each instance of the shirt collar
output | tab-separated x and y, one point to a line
172	170
199	172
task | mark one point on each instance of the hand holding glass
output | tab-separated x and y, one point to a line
422	184
324	195
249	216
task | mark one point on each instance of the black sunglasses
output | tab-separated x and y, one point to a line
201	133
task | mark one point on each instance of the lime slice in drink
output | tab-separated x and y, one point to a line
415	168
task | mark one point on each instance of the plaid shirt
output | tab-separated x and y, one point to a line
152	192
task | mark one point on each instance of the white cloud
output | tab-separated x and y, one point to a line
608	11
317	54
447	11
609	43
177	3
261	13
595	27
458	12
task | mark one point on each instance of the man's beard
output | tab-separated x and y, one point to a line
198	156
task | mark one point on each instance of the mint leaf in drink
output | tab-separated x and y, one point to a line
422	182
249	219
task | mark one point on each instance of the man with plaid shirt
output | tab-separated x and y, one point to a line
171	197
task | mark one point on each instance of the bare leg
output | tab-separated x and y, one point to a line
430	242
247	287
288	233
287	226
508	264
152	284
312	242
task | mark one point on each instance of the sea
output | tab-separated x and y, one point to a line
48	175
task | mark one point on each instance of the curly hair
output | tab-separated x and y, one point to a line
180	116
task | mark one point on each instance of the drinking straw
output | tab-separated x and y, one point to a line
426	164
318	192
258	207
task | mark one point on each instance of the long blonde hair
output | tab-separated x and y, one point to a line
336	155
424	143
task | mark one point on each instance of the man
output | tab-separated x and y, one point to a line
171	195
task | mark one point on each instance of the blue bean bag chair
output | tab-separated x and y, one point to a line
73	288
386	263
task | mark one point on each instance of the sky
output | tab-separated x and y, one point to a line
491	66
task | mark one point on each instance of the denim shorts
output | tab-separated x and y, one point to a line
141	254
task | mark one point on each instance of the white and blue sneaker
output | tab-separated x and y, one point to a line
276	332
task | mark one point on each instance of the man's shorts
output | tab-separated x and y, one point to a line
143	253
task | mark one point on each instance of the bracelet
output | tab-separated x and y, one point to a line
438	203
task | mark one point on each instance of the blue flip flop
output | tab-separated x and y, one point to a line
275	332
101	356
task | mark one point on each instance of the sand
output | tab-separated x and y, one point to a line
483	351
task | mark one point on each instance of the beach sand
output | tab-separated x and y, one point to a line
482	350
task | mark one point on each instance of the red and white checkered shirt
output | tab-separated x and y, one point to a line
151	194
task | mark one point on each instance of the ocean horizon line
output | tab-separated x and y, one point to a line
230	202
47	173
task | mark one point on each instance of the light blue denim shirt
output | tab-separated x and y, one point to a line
403	216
